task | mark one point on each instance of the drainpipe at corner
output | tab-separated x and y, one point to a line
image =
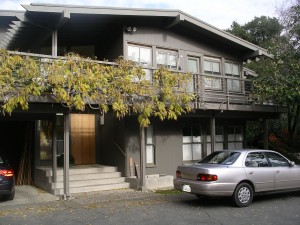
142	160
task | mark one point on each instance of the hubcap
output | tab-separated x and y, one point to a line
244	195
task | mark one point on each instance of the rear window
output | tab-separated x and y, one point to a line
222	158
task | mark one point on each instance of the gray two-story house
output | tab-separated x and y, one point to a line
151	38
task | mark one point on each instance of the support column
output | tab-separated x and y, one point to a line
54	43
54	153
66	155
213	133
54	141
142	159
266	134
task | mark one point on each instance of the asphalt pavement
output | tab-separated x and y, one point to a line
132	207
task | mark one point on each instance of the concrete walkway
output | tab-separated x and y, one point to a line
29	194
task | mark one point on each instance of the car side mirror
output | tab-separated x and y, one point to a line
292	163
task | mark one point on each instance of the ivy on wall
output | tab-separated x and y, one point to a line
78	83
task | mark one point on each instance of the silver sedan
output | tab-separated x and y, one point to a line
239	174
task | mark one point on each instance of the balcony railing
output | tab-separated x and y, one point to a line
207	88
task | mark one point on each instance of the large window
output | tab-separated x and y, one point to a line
167	58
193	68
235	137
212	67
233	70
143	56
219	140
192	143
150	147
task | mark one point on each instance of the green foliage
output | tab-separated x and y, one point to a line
78	83
19	80
262	31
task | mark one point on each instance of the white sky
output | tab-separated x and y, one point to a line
219	13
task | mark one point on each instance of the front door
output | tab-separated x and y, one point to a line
83	138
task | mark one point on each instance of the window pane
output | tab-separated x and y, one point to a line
171	60
228	69
235	69
231	137
219	138
207	67
145	56
216	68
208	82
277	160
133	53
238	145
216	83
192	65
187	152
161	58
231	145
150	154
149	135
196	151
219	146
187	139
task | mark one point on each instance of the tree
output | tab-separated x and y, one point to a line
78	83
279	78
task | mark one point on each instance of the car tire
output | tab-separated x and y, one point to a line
243	195
10	197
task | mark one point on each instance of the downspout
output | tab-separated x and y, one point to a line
54	153
213	132
142	160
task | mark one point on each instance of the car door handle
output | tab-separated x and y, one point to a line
251	172
277	171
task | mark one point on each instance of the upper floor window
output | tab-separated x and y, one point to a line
143	56
140	54
167	58
233	70
212	66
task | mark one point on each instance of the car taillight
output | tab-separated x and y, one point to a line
7	173
207	177
178	174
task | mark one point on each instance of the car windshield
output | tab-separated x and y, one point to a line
222	158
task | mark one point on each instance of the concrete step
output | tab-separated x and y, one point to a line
91	182
79	177
104	187
84	170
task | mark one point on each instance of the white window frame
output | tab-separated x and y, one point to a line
192	144
233	85
212	83
168	61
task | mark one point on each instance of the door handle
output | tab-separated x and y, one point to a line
277	171
251	172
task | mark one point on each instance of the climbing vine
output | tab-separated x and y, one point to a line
78	83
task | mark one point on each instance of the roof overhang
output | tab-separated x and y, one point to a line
40	19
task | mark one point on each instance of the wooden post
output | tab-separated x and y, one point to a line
266	134
142	159
54	152
213	133
66	155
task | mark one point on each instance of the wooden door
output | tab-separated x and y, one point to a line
83	138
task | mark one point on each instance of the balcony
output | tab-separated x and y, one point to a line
212	92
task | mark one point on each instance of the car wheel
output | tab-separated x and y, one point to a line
243	195
10	197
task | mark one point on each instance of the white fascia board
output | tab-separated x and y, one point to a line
100	10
